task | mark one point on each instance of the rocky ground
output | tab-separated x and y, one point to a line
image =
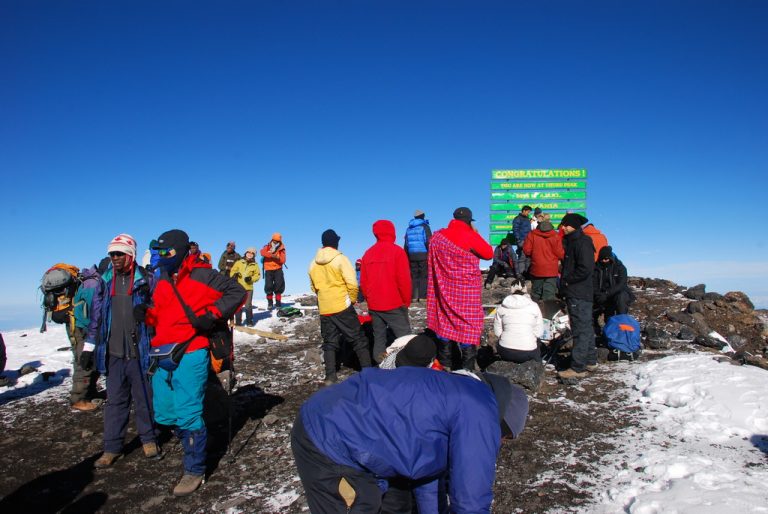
48	451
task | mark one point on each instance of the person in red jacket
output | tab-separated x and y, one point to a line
545	249
191	302
385	279
455	286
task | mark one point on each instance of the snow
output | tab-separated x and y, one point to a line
699	444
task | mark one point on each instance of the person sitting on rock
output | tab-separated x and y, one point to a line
519	325
503	263
612	294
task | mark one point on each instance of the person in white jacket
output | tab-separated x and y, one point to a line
519	325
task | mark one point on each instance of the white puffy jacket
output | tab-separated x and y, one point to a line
518	323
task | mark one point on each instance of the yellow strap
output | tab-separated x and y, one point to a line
347	492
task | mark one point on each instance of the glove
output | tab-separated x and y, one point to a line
86	356
140	312
248	280
204	323
237	276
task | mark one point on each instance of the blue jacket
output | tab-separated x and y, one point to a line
416	423
101	318
521	226
417	237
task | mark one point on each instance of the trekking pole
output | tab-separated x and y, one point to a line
229	389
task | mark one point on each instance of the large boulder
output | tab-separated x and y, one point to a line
529	374
657	338
696	292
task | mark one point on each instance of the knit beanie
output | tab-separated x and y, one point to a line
123	243
330	238
606	252
545	226
418	214
419	352
277	236
175	239
573	220
517	287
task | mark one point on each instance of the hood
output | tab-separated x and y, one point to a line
384	230
545	235
591	229
417	222
516	301
326	254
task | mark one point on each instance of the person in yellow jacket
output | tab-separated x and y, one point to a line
333	279
246	272
273	256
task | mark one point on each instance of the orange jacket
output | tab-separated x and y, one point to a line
597	237
273	260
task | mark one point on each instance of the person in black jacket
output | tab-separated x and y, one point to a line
576	287
503	263
612	294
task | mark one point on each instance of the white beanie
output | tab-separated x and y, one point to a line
123	243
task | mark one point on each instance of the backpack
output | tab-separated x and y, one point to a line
90	282
289	312
622	336
59	285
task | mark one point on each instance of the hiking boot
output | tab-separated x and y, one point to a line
187	485
330	379
570	373
591	367
152	451
270	305
278	304
106	460
84	406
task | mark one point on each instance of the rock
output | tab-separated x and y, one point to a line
313	357
26	369
708	342
739	297
686	334
700	324
695	307
261	340
307	301
712	296
680	317
530	374
657	338
86	434
696	292
270	419
737	342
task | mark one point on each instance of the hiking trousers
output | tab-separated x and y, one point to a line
584	351
83	382
397	321
274	282
321	477
543	289
346	325
126	384
247	309
418	279
178	395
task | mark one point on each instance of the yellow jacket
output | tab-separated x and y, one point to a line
246	269
333	278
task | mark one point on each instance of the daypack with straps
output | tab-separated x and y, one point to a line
59	285
622	336
90	282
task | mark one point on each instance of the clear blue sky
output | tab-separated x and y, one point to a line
232	120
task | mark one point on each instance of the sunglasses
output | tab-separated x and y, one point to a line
116	254
166	252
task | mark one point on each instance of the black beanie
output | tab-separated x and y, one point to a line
573	220
606	252
330	238
176	239
419	352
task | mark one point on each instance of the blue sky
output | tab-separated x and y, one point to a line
232	120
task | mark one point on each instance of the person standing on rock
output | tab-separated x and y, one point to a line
518	324
332	278
386	281
521	227
273	255
190	303
612	294
228	258
545	250
417	237
454	288
121	345
246	272
576	287
350	438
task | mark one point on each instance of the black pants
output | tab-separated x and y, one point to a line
616	304
418	279
397	321
320	477
496	268
274	281
343	324
584	352
518	356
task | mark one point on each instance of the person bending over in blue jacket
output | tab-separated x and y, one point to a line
411	424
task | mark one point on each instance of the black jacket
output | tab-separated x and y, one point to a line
578	266
609	278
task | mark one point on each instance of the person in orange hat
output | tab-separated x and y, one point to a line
273	256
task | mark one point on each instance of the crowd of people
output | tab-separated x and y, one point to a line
152	328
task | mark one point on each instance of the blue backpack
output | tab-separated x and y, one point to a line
90	282
622	336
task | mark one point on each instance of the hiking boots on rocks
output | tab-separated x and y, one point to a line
278	304
270	305
84	406
187	485
570	373
106	460
152	451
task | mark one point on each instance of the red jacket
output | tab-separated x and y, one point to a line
546	252
465	237
385	275
203	290
597	237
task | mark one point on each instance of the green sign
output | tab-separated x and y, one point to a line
508	216
538	174
495	239
538	196
539	185
545	206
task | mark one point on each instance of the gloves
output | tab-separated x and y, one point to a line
237	276
140	312
86	356
248	280
204	323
